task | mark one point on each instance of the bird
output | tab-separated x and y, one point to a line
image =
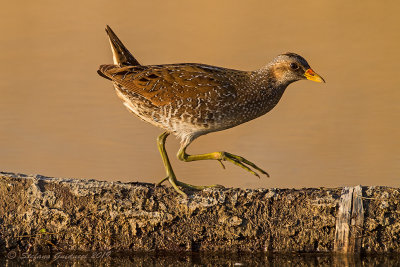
189	100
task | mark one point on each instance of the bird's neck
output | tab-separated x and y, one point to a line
268	75
268	81
269	89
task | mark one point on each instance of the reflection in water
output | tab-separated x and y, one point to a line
299	260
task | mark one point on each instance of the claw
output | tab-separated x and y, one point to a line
222	164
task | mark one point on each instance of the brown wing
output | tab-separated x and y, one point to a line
164	84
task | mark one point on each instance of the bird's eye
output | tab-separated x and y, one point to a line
294	66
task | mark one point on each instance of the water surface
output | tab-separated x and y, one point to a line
59	118
177	259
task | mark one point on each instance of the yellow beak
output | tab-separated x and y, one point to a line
312	76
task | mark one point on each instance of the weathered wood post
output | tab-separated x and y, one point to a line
349	221
40	213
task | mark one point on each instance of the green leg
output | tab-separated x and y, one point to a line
222	156
168	168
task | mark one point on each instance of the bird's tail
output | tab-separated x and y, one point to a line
121	55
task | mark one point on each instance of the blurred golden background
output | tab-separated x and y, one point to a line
59	118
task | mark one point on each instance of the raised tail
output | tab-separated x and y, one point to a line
121	55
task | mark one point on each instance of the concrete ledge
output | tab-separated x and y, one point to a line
40	213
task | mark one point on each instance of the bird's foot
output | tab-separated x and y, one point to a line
240	161
198	187
175	183
162	181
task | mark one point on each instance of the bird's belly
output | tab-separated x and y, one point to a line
165	117
189	119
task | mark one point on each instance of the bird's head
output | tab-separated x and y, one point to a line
290	67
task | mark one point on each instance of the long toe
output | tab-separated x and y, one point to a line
195	187
242	162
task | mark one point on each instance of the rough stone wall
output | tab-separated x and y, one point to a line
40	213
